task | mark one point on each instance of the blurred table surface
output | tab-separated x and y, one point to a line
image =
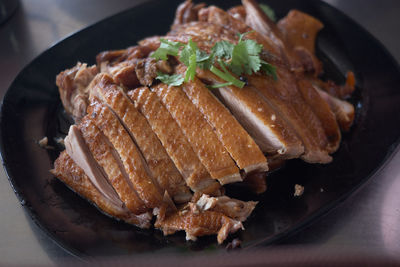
370	218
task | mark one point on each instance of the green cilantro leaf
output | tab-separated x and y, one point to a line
167	48
245	57
204	60
188	57
268	11
269	69
223	49
173	80
191	69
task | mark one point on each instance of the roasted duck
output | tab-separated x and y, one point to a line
162	126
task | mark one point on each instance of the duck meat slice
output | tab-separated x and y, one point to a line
160	164
74	177
241	147
284	96
134	163
77	149
324	113
173	140
108	159
199	134
299	30
271	133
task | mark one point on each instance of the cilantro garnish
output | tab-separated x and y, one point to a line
268	11
241	58
167	48
173	80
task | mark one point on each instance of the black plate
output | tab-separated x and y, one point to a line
31	109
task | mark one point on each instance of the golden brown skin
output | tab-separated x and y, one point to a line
173	140
284	96
287	144
299	31
67	171
324	113
102	153
133	161
199	133
242	148
157	159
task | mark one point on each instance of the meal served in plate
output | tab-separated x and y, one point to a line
162	126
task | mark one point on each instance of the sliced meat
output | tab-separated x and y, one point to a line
173	140
71	174
322	110
72	85
299	30
241	147
338	91
199	133
284	96
199	223
76	148
343	110
260	22
271	133
107	158
133	161
233	208
161	166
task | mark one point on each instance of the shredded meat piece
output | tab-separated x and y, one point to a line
72	85
198	223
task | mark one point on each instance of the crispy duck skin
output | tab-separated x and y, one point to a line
173	140
284	97
272	134
72	86
262	24
157	159
323	111
242	148
68	172
105	155
133	161
299	31
199	133
199	223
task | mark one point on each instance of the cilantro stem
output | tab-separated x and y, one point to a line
219	85
227	77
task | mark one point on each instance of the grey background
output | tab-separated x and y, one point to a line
369	219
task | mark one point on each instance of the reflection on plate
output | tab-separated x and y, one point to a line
32	109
